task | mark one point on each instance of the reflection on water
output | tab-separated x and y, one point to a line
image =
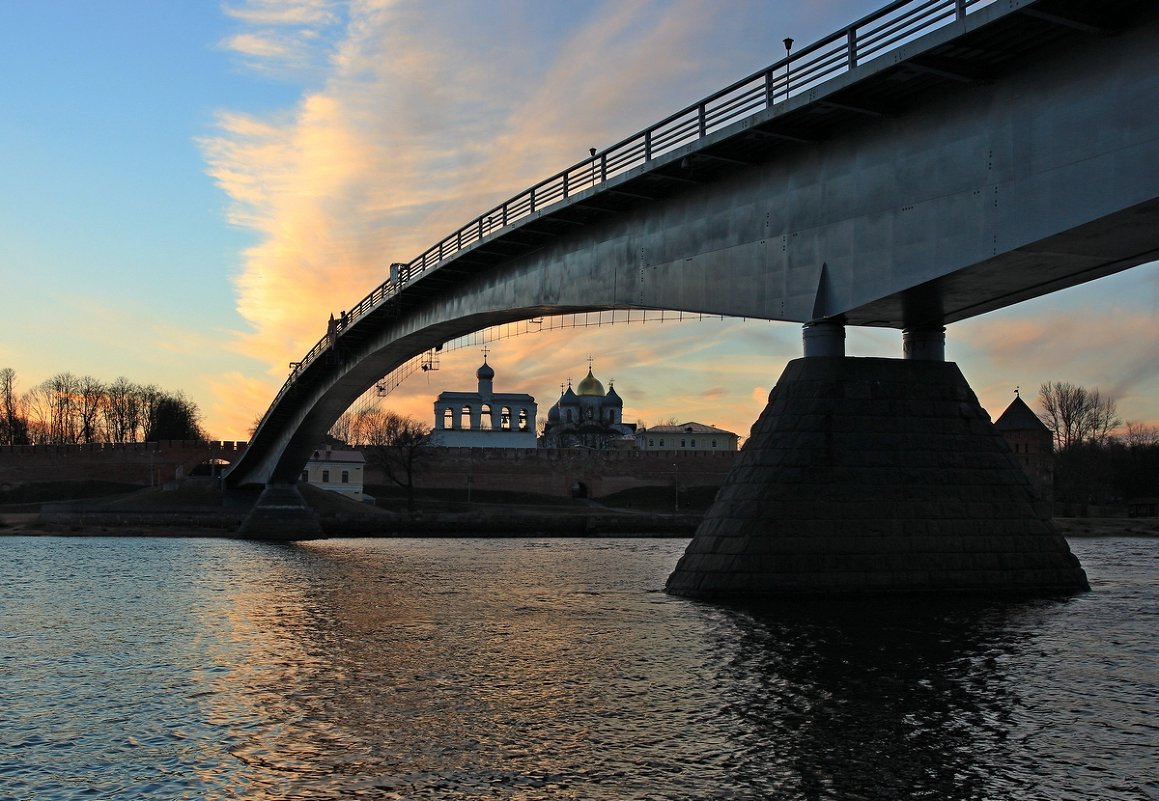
552	669
891	700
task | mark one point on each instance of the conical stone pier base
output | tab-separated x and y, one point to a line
875	476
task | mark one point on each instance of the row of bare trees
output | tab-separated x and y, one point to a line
1098	458
1077	415
67	409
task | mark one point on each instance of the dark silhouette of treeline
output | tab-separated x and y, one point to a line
1113	472
1097	459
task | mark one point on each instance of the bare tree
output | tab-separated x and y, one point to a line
148	396
90	400
13	426
395	443
1140	435
359	427
64	408
344	427
1076	415
255	425
37	405
121	411
1103	418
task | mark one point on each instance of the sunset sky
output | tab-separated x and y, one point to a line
190	189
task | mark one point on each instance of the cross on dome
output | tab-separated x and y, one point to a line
485	372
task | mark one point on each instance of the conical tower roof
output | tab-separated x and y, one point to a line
1019	417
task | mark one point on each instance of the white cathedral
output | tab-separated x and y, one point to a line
484	419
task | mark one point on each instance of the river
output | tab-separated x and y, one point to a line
154	668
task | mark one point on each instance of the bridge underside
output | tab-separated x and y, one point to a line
1087	252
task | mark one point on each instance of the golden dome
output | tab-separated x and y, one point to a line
590	386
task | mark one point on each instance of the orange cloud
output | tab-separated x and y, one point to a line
404	141
238	403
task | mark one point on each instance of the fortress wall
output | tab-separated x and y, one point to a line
144	463
556	472
544	471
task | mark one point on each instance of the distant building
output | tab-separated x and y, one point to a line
686	437
1143	507
485	418
587	417
336	470
1032	443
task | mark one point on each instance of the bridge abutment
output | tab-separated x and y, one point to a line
281	514
875	476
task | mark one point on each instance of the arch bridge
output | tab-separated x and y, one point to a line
933	161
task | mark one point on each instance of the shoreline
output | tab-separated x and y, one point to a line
498	523
505	523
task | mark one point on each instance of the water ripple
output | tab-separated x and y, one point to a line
555	669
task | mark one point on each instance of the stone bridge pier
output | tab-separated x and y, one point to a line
870	475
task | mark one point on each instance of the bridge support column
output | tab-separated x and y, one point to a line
825	339
928	344
875	476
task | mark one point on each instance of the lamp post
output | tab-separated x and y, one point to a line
788	52
592	170
676	486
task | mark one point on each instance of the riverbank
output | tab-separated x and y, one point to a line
1107	526
204	511
502	522
499	523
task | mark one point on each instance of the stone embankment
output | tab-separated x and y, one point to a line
137	515
140	515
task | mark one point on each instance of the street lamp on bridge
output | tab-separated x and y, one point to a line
788	53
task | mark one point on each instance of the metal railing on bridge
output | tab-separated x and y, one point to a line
870	37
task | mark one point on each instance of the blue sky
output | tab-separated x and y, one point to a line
190	189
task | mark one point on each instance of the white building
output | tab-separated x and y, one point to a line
686	437
484	419
337	471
